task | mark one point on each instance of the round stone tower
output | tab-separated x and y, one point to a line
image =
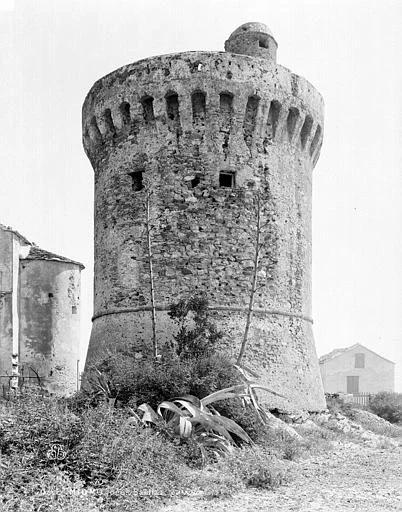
213	152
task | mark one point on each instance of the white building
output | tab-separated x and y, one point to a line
356	369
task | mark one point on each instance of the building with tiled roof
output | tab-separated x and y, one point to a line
356	369
39	315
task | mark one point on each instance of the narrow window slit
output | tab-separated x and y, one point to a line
250	119
227	179
291	122
173	113
137	182
305	131
125	113
273	117
94	132
148	109
198	103
108	121
226	110
315	140
86	134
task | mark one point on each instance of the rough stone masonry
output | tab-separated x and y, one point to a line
198	137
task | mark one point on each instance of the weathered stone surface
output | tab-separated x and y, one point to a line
50	322
204	131
39	315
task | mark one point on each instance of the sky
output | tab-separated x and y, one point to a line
52	51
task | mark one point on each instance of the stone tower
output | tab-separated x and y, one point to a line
202	135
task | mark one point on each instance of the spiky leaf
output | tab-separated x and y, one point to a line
149	415
185	427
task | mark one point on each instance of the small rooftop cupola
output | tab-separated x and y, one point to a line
254	39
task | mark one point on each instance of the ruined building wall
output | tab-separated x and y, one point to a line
50	322
6	331
39	315
206	132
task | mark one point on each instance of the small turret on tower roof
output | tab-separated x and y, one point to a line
254	39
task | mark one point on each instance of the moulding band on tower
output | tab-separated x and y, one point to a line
161	307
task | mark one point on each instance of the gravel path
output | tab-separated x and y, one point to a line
351	477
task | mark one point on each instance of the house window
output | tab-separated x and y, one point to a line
74	310
227	179
136	180
352	384
359	360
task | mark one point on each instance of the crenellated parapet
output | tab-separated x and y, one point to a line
203	93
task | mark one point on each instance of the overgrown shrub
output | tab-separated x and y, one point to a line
387	405
256	468
32	425
39	489
244	415
197	334
374	423
190	363
336	404
91	452
112	461
133	382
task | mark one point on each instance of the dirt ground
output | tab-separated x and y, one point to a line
350	477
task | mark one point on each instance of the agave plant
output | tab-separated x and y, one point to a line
188	417
245	391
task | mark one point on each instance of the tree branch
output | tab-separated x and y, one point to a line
151	274
254	281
